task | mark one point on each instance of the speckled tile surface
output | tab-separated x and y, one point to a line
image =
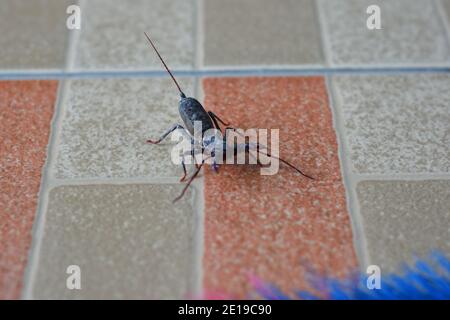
112	35
396	124
404	218
107	122
261	32
409	35
34	34
272	226
129	241
26	110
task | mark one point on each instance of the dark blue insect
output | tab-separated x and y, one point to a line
191	110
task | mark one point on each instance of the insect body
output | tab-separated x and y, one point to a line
192	111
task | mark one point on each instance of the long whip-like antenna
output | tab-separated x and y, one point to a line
160	58
287	163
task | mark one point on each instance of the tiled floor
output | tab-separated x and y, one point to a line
34	35
410	35
124	249
105	125
396	123
366	113
112	32
229	26
402	218
26	112
268	225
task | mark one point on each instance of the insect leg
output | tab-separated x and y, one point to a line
184	170
173	128
215	166
189	153
215	117
189	182
216	124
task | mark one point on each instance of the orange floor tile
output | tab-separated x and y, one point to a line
26	110
275	227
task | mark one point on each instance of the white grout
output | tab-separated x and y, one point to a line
445	23
326	50
351	178
348	179
357	177
199	54
199	217
47	181
200	200
74	35
231	71
39	221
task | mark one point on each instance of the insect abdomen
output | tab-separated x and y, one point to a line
191	110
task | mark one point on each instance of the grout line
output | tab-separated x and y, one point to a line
443	20
199	206
55	128
194	35
57	182
326	49
39	220
200	35
197	34
74	35
352	178
357	177
197	256
225	72
359	240
201	213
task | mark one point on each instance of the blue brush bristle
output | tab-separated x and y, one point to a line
428	279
